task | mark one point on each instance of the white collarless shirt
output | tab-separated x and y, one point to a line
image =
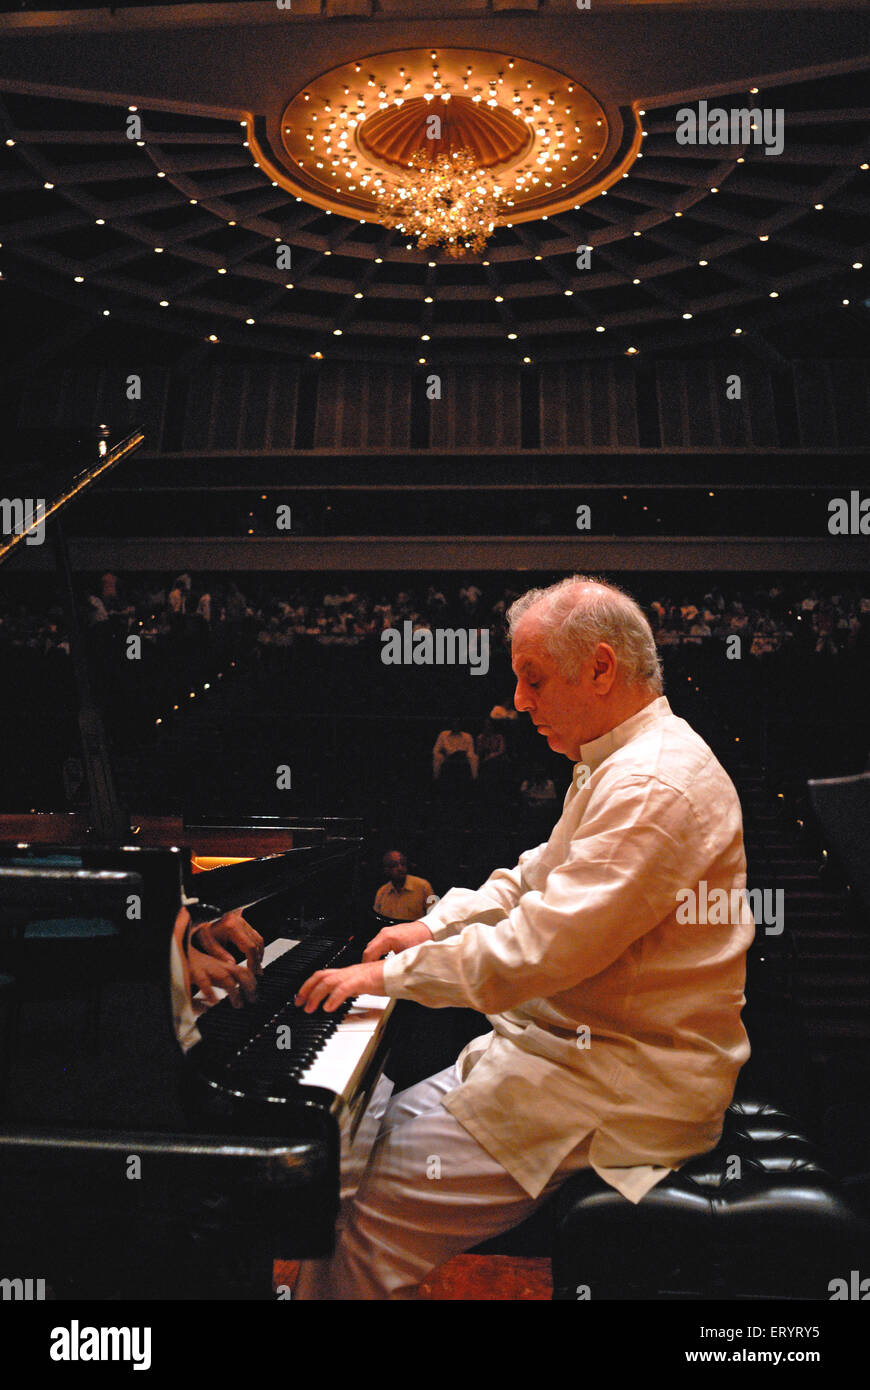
610	1016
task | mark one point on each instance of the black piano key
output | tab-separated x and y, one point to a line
242	1044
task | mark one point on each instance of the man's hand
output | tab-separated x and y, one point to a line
396	938
208	973
231	929
332	987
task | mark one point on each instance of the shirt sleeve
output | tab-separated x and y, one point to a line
501	891
638	843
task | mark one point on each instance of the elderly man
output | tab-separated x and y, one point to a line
616	1033
404	895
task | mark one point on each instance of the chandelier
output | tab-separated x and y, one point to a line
443	200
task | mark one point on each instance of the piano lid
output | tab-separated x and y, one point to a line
82	480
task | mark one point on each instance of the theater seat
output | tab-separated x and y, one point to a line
759	1217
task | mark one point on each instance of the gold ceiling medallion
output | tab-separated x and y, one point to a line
439	133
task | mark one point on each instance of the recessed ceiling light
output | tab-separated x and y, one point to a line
358	295
774	294
79	279
424	337
857	265
630	351
687	316
527	360
703	263
336	332
737	331
512	336
764	238
164	303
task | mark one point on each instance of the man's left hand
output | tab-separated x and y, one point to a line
332	987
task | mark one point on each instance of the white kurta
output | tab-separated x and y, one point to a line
610	1018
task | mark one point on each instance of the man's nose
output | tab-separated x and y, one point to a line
522	698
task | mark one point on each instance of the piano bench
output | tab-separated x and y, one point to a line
758	1217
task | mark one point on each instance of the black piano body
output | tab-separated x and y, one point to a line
131	1167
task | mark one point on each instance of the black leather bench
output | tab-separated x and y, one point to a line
758	1217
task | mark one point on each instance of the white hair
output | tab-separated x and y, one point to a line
579	612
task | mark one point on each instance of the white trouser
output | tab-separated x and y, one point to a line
428	1191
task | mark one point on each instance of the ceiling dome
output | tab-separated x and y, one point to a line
495	137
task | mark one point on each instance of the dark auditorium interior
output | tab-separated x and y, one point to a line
255	418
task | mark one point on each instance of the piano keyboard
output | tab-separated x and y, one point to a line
331	1051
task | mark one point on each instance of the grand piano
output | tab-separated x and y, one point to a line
153	1146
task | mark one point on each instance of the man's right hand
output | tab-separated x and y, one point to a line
396	938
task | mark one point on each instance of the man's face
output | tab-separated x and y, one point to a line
566	713
395	868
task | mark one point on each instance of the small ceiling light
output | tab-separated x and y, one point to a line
703	263
635	282
422	361
105	313
424	337
79	279
764	238
687	316
164	303
250	320
336	332
512	337
213	338
358	295
48	185
569	293
430	300
774	294
10	142
630	351
737	332
818	206
101	221
857	265
222	270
